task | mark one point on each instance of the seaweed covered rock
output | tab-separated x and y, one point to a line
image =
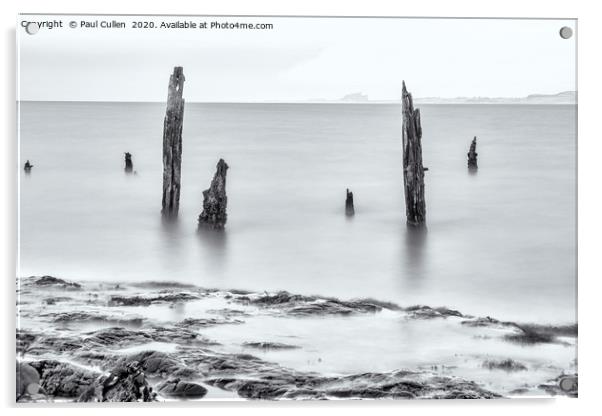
181	389
126	383
215	200
60	379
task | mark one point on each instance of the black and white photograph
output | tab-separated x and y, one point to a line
233	208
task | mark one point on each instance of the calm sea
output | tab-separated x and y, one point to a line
500	242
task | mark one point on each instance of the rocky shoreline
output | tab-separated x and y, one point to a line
88	342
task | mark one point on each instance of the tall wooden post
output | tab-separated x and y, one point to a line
413	171
172	144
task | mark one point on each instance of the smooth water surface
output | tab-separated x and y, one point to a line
500	242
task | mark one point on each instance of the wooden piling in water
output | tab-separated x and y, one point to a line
172	144
472	155
215	200
349	208
413	170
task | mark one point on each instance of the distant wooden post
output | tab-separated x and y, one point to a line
413	171
27	167
215	200
472	155
172	144
349	209
129	166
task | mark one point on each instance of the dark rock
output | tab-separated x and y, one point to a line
540	334
54	281
484	322
60	379
158	363
129	165
115	336
54	299
269	346
413	170
126	383
300	305
286	384
28	380
349	209
564	384
426	312
472	154
148	300
172	144
508	365
215	200
181	389
206	322
162	285
78	317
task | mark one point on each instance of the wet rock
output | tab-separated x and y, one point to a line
24	340
54	343
229	313
50	281
300	305
181	389
266	345
349	208
484	322
540	334
28	380
172	144
162	285
287	384
53	300
117	300
129	165
159	364
206	322
472	155
413	170
426	312
119	336
87	317
126	383
115	336
508	365
215	201
564	384
60	379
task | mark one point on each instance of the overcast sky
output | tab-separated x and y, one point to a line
300	59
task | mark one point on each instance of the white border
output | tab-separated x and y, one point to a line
590	209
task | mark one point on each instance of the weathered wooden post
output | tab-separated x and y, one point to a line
129	166
413	171
349	209
215	200
172	144
472	155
